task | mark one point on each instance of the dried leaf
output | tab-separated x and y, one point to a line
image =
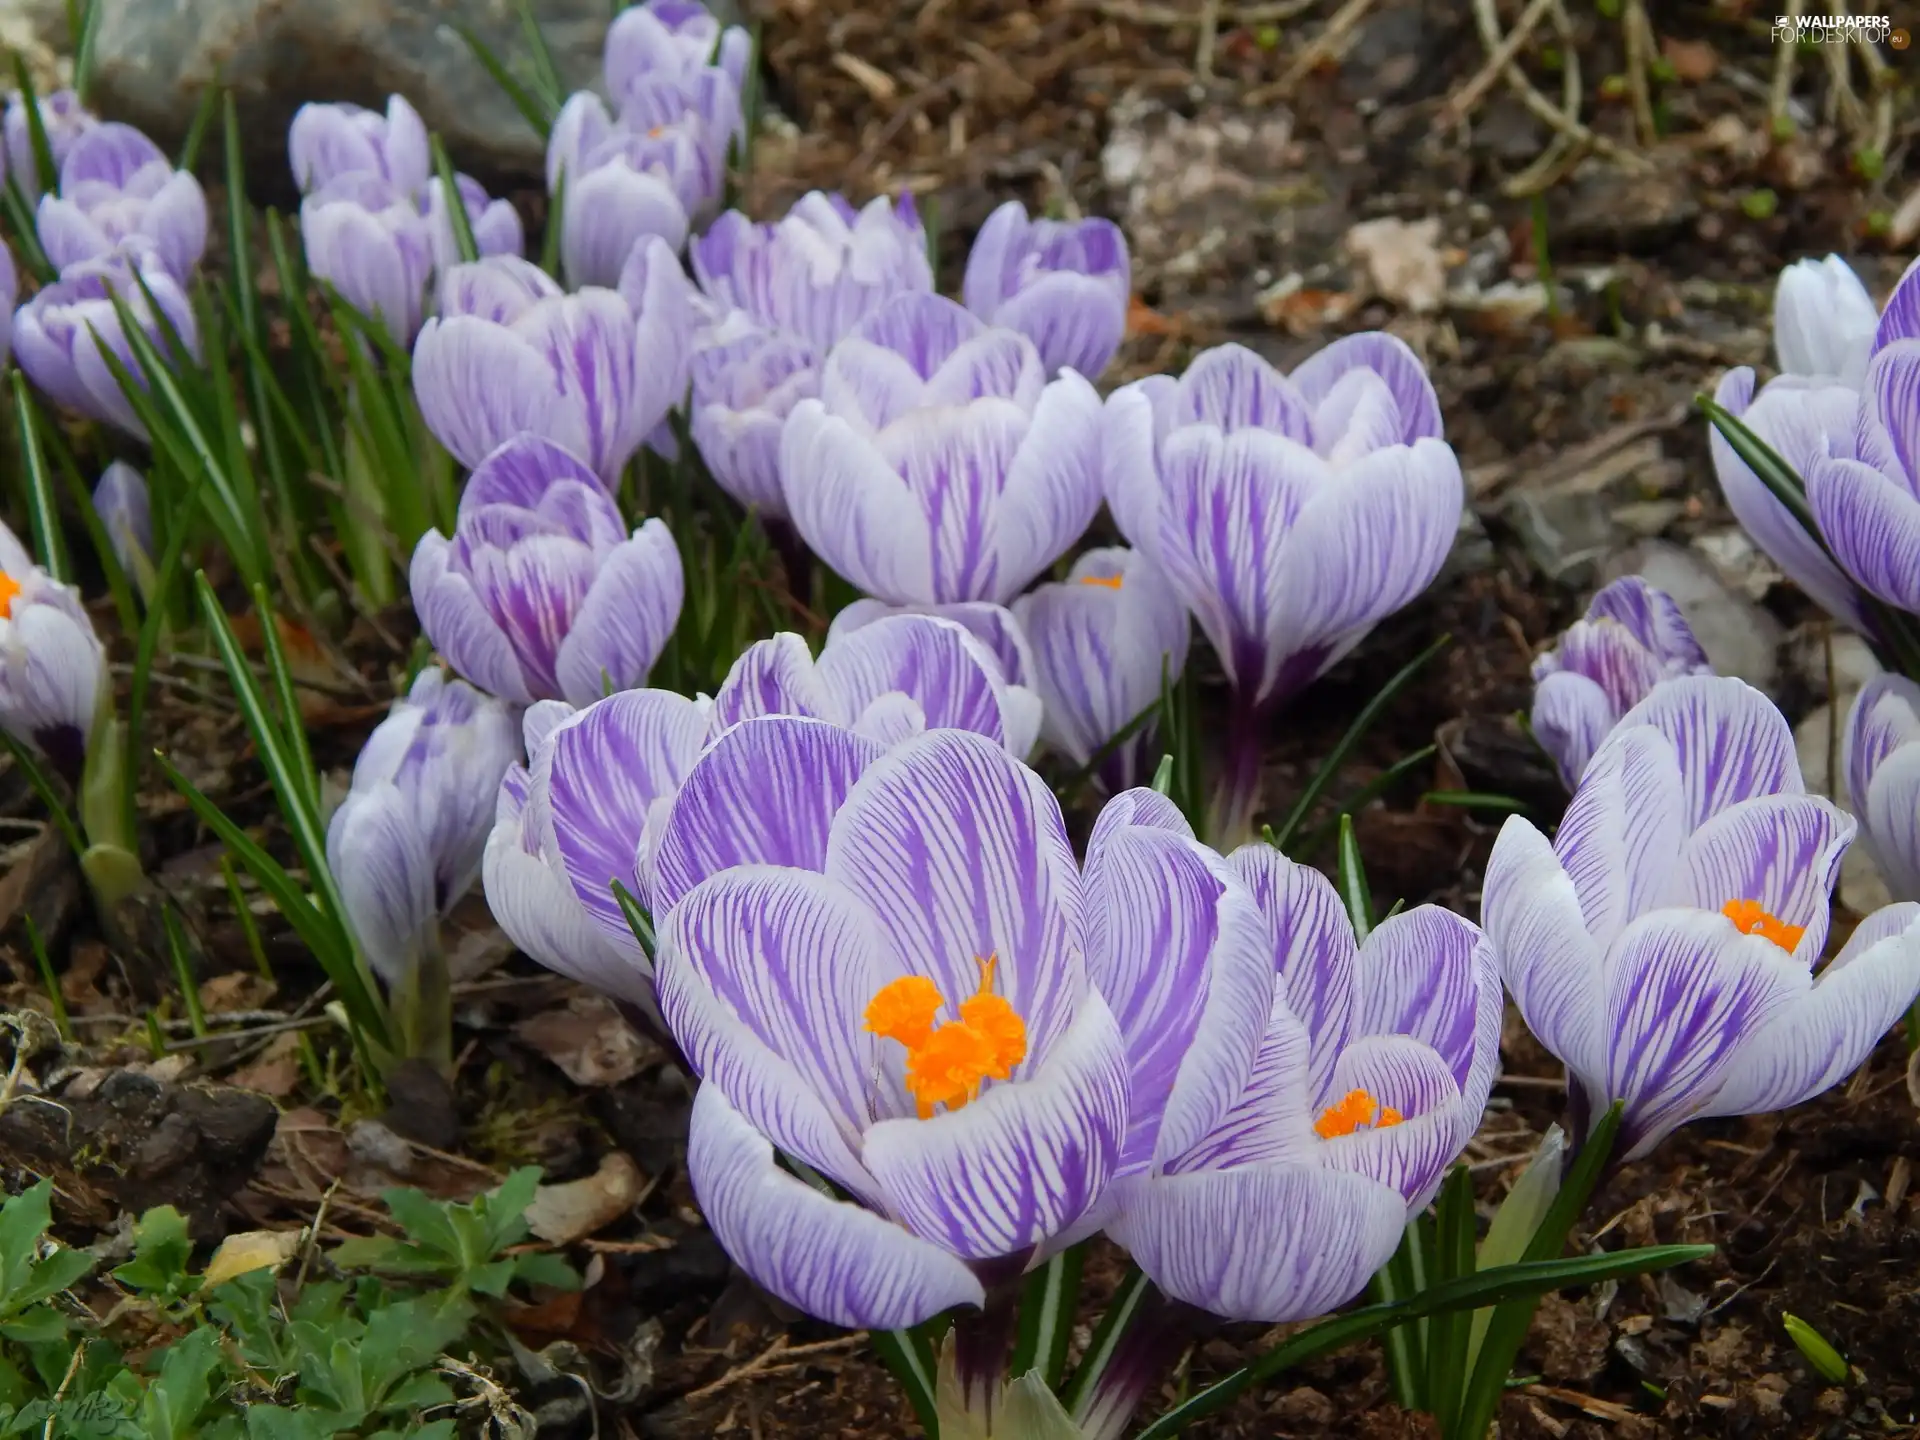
561	1214
589	1041
251	1250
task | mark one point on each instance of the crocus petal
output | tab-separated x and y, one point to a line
765	792
1270	1244
1623	830
962	853
1733	744
1823	320
1412	1156
1312	946
775	676
460	627
1052	488
1025	1160
1180	953
1685	989
1076	322
827	1257
1571	716
1872	524
478	384
380	862
624	622
607	766
1531	912
1901	318
939	664
1782	851
1820	1040
610	209
1428	974
852	508
1387	356
1232	389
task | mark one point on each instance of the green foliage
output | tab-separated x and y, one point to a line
253	1358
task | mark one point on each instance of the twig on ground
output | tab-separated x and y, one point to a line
1778	119
1638	33
1464	101
1327	45
776	1359
1272	14
1209	32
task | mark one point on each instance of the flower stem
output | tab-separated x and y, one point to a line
1160	1330
1236	794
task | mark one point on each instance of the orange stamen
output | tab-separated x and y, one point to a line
1750	919
947	1065
1111	582
1356	1110
9	588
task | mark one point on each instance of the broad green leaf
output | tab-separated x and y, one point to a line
161	1251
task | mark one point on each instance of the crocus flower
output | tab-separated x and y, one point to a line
1291	513
1823	321
372	244
121	500
509	353
1369	1069
1632	637
994	626
656	171
1102	645
1064	285
818	272
495	223
671	37
327	141
879	964
888	680
53	669
542	594
116	185
746	382
1663	945
54	333
406	843
1881	760
608	766
939	464
63	118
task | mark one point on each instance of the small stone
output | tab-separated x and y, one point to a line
1402	259
1861	888
1628	209
1648	518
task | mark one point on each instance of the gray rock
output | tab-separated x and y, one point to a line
1569	520
153	59
1739	637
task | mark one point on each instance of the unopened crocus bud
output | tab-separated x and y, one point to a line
593	371
495	223
54	333
328	141
117	186
406	843
746	382
1823	321
53	668
542	594
671	37
125	510
1064	285
1103	644
372	244
63	118
1632	637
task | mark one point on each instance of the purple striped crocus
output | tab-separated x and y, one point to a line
1063	284
577	808
781	296
510	354
1632	637
63	118
1823	321
57	334
1355	1074
406	843
373	244
939	465
880	964
994	626
118	188
1663	945
541	593
1103	643
1881	760
658	169
672	37
53	669
1291	514
887	680
495	223
327	141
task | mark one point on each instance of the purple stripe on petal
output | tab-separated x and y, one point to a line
1405	1075
1232	389
764	793
1312	947
1781	851
1872	524
935	662
775	676
1901	318
1272	1121
1428	974
1389	357
1732	743
1620	836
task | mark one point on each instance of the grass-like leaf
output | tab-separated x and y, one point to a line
546	76
42	508
43	166
1354	891
48	790
556	220
1047	1306
457	216
18	211
533	108
197	128
1362	723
